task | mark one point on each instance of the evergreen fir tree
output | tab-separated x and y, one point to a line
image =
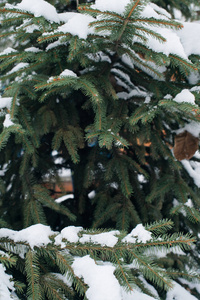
98	89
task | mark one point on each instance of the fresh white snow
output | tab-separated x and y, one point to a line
67	72
189	37
69	233
179	293
102	283
38	8
7	51
64	198
104	239
183	43
78	25
138	234
111	5
185	96
5	284
5	102
18	67
35	235
32	49
7	122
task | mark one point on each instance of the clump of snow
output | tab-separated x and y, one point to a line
138	234
5	102
193	79
172	45
78	25
65	173
50	79
64	198
66	16
8	51
35	235
32	28
69	233
192	127
135	295
91	195
32	49
159	10
18	67
191	285
111	5
67	72
185	96
38	8
102	283
5	284
179	293
193	169
141	178
177	14
168	96
7	122
105	239
149	11
189	37
54	45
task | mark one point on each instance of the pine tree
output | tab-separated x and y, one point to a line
98	89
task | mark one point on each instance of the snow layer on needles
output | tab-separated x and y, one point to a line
69	233
5	284
193	169
103	285
138	234
67	72
182	42
105	239
179	293
5	102
185	96
7	51
111	5
78	25
189	37
35	235
7	122
38	8
172	45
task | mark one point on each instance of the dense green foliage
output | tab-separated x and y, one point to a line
96	105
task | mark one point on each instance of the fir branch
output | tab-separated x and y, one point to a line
6	10
133	8
8	261
42	196
184	242
32	273
123	273
158	22
151	273
187	64
45	38
159	227
87	9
